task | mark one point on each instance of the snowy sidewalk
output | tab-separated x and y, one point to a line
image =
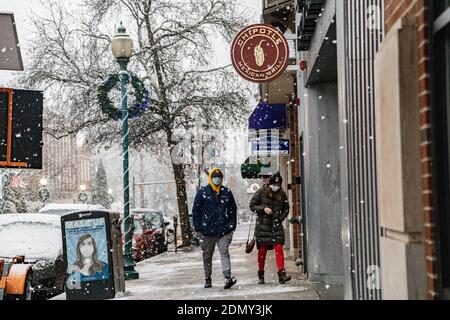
179	276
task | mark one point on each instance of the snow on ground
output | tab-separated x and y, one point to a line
180	276
36	236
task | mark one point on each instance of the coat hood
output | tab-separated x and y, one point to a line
213	186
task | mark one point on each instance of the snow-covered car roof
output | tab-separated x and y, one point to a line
63	208
35	236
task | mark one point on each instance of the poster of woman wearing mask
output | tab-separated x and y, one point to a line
87	254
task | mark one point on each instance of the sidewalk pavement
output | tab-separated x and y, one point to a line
179	276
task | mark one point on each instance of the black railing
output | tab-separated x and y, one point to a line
269	4
310	10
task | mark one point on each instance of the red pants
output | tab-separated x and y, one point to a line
279	254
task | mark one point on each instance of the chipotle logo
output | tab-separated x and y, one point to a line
260	53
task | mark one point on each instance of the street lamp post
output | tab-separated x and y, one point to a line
122	48
83	197
43	192
109	198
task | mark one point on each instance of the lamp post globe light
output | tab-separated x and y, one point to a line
122	49
83	197
44	194
43	182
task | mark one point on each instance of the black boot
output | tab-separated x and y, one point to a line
261	277
283	277
208	283
229	282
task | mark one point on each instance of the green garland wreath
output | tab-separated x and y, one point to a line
141	96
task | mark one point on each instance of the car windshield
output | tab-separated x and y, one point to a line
154	219
32	235
137	227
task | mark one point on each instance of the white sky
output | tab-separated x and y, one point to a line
23	9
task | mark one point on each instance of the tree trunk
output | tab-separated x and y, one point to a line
180	183
185	222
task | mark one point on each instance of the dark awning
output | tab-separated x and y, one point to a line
266	117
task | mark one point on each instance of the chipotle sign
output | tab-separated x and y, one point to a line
260	53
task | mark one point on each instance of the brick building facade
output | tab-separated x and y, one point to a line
67	165
429	22
371	178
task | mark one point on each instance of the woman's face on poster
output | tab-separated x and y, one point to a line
87	248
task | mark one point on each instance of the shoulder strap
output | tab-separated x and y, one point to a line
251	223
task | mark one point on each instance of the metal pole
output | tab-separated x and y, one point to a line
134	192
175	227
141	192
129	264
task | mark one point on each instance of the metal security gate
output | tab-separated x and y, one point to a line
360	32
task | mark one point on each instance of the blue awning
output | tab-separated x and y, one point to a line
268	116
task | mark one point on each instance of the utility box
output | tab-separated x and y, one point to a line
93	257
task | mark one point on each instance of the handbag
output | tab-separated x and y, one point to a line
250	245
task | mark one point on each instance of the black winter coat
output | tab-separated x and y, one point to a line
269	229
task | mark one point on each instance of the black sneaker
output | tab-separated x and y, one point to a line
229	282
208	283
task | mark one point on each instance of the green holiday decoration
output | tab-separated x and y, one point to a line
141	96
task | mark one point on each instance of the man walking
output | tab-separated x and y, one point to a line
214	220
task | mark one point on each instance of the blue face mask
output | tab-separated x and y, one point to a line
217	181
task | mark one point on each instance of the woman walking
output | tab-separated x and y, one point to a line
272	207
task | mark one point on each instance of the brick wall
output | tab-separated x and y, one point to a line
394	10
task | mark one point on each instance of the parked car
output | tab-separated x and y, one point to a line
33	244
144	243
155	222
61	209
